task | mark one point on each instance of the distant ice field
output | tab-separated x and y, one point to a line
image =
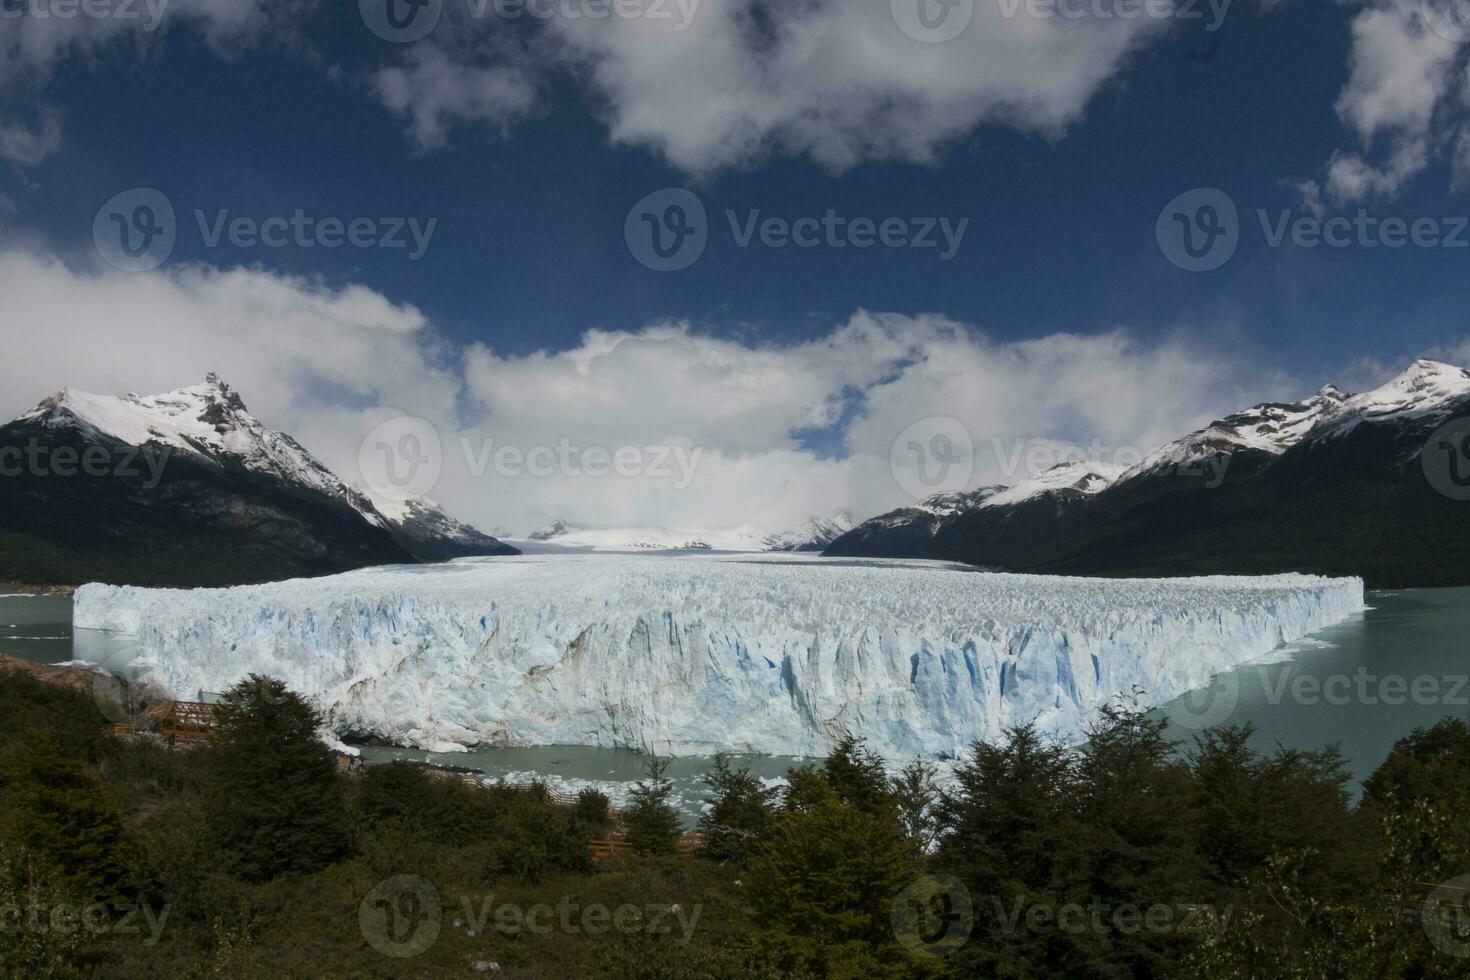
687	655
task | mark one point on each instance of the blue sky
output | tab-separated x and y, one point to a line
529	160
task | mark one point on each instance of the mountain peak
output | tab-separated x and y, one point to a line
208	420
1425	389
1425	372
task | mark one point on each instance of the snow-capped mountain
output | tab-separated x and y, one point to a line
1269	428
813	535
186	488
1428	391
430	533
910	532
1334	484
207	420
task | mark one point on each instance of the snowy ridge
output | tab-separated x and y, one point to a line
207	420
1428	389
1084	476
1272	428
421	519
692	655
814	535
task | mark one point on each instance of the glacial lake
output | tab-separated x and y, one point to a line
1362	684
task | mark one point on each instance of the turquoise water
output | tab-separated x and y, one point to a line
1362	685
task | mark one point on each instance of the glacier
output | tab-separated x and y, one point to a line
691	655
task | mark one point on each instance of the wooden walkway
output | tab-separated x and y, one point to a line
174	722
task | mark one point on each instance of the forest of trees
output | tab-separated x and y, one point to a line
1126	856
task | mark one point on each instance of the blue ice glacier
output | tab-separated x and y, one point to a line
688	655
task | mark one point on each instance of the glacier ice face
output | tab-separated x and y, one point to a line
692	655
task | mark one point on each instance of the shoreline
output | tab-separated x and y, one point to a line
27	589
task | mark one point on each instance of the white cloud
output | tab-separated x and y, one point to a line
27	147
1401	72
834	80
433	91
294	348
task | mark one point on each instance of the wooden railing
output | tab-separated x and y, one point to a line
187	722
617	845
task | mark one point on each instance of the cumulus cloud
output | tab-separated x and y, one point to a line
327	365
1402	75
722	84
433	90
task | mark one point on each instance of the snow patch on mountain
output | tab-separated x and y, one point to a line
690	655
814	535
1273	427
1426	390
426	527
1084	476
207	420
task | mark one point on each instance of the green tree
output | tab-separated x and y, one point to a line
650	821
739	812
858	775
1005	825
824	882
916	794
277	806
57	813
